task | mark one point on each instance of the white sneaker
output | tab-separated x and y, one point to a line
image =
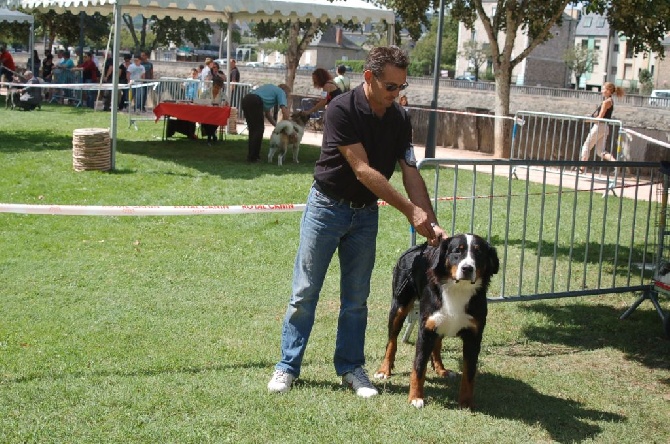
281	382
359	381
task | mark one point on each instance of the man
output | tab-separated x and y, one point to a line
7	65
366	134
257	104
28	98
234	78
89	70
148	74
107	77
135	75
342	81
123	80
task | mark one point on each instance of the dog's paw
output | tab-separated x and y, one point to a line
446	373
382	375
418	403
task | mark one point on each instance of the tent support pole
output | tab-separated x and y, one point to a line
115	81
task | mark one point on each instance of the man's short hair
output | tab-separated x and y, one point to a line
341	69
380	56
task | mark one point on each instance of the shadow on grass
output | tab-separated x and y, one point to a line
506	398
564	420
639	337
37	141
224	158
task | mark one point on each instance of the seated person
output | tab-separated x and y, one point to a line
27	98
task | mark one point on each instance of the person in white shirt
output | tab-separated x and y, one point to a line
136	73
342	81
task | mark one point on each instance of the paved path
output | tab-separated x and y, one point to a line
584	183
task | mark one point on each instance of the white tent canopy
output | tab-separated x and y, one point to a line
10	16
244	10
358	11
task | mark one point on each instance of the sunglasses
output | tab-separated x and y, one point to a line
390	87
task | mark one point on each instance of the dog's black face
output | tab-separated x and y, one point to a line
466	257
300	118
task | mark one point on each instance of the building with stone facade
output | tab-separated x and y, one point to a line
544	66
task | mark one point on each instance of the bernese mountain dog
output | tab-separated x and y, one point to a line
450	282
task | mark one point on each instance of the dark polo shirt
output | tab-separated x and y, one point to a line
349	120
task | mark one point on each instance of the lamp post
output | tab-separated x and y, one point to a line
432	118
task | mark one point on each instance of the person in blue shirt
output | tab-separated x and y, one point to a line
191	86
259	105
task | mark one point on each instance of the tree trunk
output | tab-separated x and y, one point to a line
293	53
502	130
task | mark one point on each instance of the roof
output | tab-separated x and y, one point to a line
594	25
8	15
328	39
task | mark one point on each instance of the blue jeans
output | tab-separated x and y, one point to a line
90	95
326	226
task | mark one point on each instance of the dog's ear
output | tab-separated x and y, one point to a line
494	262
443	249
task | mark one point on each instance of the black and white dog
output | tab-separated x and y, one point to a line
450	282
287	133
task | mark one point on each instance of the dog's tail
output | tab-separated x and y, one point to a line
287	129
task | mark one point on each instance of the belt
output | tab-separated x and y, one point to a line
326	191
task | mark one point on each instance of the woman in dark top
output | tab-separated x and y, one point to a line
329	89
47	67
600	130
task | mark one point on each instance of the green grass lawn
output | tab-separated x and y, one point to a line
166	329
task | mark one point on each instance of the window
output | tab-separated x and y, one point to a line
616	47
587	22
585	43
596	45
629	51
600	23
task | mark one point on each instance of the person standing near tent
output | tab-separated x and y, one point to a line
135	75
7	66
148	75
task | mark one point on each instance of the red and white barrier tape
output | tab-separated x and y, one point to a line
150	210
79	86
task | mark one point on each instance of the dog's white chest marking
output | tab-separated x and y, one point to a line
452	318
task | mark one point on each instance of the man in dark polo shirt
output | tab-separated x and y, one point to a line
366	134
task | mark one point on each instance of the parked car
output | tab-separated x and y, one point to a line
306	68
254	64
467	76
278	65
223	63
660	97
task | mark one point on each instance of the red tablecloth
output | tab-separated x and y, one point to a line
213	115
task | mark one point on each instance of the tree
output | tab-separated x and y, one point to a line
296	35
167	30
474	53
646	84
65	27
644	23
580	60
423	53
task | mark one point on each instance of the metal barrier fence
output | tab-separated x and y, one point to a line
181	90
546	136
66	95
557	236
